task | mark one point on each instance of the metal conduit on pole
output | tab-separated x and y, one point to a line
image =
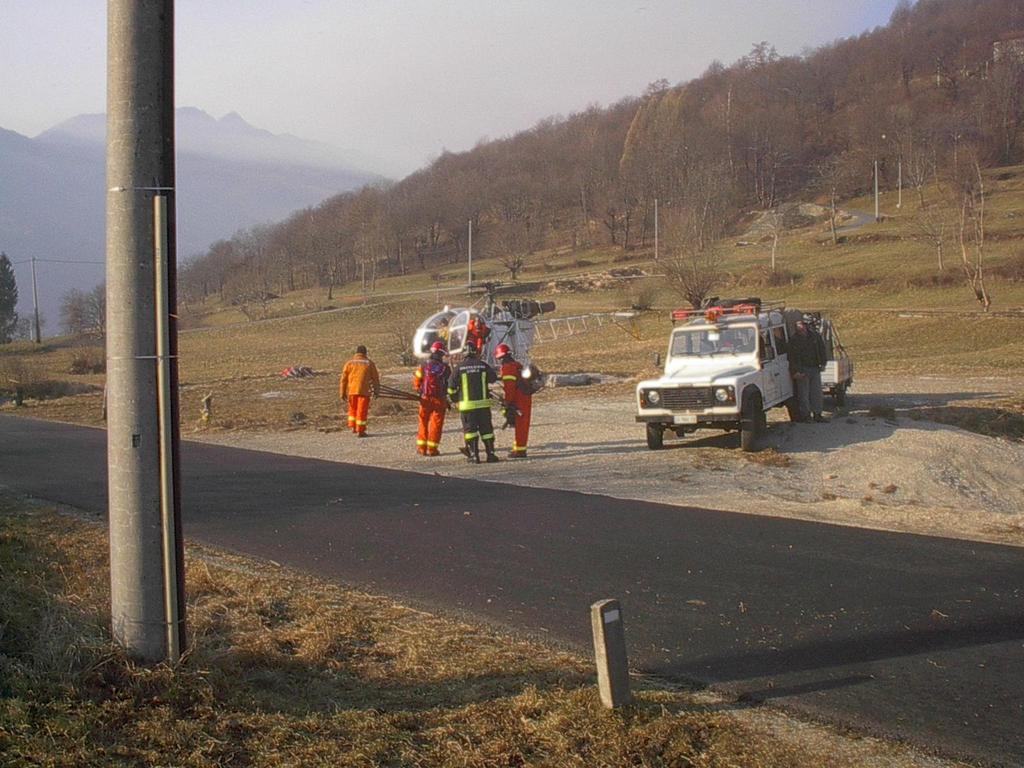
140	167
163	378
36	332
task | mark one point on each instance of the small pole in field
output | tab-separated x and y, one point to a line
610	653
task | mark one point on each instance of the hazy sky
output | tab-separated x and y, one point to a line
402	81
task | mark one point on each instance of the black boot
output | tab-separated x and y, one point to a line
491	455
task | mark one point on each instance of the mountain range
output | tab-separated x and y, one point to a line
230	176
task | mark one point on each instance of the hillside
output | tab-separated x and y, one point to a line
925	97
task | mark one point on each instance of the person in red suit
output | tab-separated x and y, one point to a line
431	381
518	398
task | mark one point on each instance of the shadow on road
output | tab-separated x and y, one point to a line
856	649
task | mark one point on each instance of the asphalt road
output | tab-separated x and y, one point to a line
905	636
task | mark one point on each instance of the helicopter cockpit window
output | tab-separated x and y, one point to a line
457	332
434	328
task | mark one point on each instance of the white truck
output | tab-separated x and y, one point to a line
726	365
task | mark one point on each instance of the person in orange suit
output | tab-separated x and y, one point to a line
359	382
477	332
518	399
430	382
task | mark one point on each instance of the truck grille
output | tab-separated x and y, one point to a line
686	398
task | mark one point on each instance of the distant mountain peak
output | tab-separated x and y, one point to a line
230	137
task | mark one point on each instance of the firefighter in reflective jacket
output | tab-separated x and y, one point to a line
430	382
359	382
468	389
518	399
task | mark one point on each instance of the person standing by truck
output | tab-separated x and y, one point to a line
807	359
359	382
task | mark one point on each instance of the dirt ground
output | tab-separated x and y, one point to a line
877	464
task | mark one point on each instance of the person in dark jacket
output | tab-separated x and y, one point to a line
468	389
807	359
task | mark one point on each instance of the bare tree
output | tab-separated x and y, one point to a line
972	234
775	219
693	266
84	313
833	175
694	273
930	218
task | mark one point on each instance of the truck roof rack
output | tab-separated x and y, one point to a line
713	314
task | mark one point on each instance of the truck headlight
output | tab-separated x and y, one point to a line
652	396
725	394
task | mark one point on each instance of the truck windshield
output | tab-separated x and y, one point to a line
707	342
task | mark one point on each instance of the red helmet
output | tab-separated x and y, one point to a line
437	346
502	350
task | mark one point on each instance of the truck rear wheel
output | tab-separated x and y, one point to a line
753	423
655	436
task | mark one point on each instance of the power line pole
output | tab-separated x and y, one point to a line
899	183
655	229
36	336
140	169
877	217
469	283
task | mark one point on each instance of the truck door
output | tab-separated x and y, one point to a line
783	382
769	367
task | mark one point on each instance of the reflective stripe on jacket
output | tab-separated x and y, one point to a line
511	379
468	384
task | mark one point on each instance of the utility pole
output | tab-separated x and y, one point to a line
877	217
899	183
655	229
36	334
469	283
146	598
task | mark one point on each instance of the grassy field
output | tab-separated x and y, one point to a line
288	671
877	284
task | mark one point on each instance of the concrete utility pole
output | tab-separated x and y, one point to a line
877	217
36	334
899	183
144	537
469	282
655	229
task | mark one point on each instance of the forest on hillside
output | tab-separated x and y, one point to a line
937	95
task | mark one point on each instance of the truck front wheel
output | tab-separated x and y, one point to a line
753	423
655	436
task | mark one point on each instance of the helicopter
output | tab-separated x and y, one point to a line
511	322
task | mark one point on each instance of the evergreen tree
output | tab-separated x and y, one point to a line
8	300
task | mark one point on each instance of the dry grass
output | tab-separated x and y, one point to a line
770	457
1001	418
288	671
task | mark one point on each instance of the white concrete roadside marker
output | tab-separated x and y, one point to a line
610	653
